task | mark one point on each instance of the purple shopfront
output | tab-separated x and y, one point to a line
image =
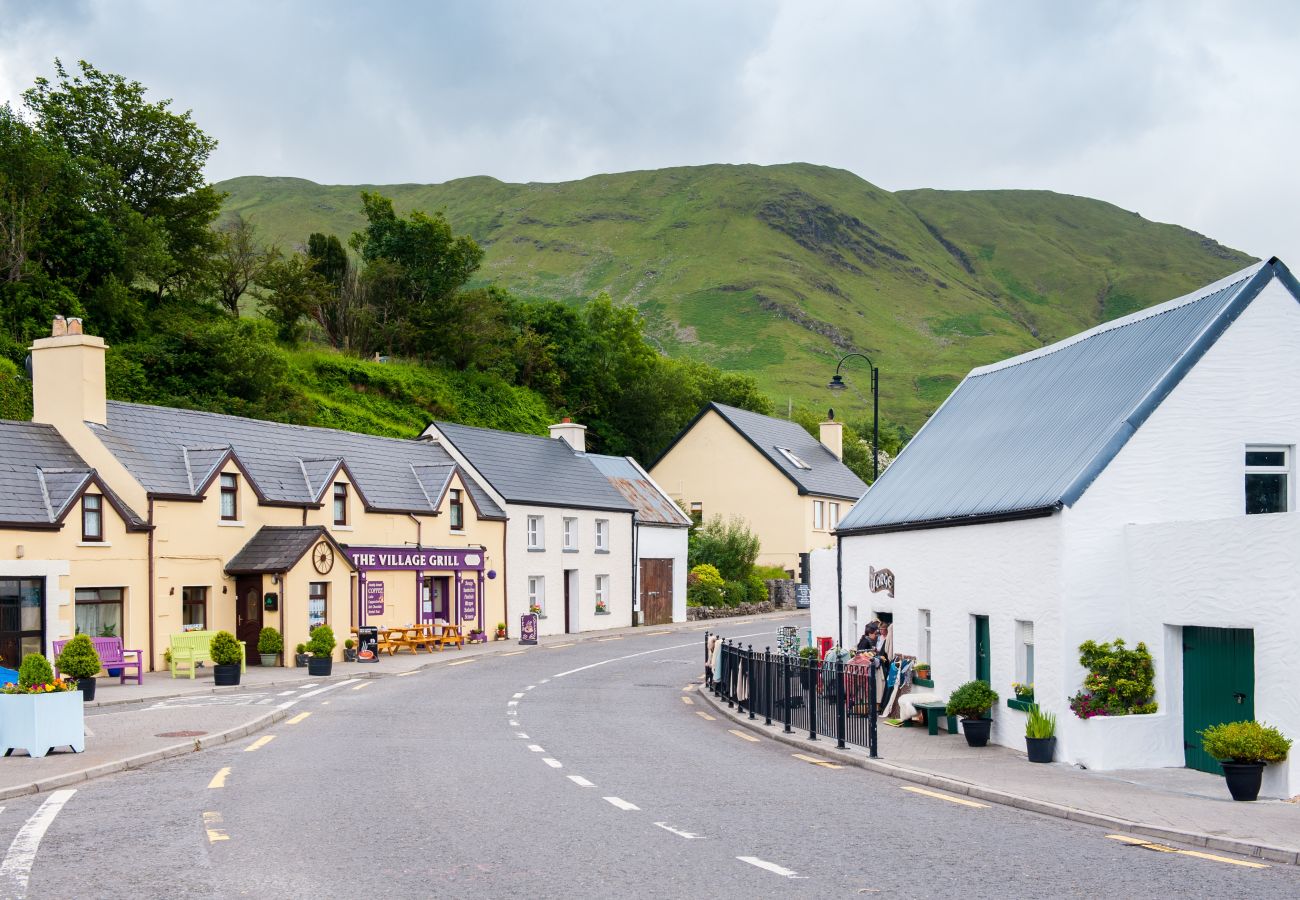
448	584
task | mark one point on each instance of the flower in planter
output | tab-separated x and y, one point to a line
1023	691
600	608
535	609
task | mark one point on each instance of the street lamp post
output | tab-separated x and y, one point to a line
837	384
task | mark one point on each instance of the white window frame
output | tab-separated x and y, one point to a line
602	590
570	534
537	592
1283	470
832	514
819	515
1024	651
924	626
536	533
602	535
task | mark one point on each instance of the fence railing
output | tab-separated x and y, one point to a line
823	698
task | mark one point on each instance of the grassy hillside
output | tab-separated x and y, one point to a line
777	271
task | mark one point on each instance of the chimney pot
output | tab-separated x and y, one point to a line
74	326
60	327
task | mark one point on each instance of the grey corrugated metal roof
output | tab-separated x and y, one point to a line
826	476
1032	432
284	462
277	548
653	506
529	468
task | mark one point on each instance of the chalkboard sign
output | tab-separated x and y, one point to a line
802	595
528	628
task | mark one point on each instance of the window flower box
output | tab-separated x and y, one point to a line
38	723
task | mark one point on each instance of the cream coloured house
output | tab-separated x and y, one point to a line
790	488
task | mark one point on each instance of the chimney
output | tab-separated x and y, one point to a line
572	434
832	434
68	376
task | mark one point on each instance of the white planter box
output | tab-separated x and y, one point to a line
1122	742
38	723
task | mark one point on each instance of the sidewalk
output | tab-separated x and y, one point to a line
131	725
1178	805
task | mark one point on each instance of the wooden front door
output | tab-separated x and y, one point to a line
656	591
1218	686
248	616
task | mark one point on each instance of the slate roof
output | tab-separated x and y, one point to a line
529	468
1028	435
277	548
176	452
653	506
827	475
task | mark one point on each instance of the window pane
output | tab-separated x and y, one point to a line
1275	458
228	505
1265	493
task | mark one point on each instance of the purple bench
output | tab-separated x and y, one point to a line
112	656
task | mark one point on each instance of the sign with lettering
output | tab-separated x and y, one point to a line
374	598
528	628
802	595
469	600
880	580
415	558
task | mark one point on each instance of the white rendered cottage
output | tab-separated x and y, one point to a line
1134	481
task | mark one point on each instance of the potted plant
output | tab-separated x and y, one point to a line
923	671
601	608
300	656
321	646
501	631
108	631
807	667
269	644
536	610
477	636
167	658
972	701
1023	691
1040	735
39	712
226	656
1243	749
79	661
350	650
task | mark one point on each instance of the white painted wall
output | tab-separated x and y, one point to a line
662	542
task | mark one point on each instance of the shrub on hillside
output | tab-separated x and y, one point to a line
735	593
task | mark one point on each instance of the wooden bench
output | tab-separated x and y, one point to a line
193	647
451	635
111	656
934	711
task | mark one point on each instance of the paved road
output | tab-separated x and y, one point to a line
574	771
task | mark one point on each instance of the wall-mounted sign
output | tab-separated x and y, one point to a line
528	628
415	558
270	602
880	580
374	598
468	600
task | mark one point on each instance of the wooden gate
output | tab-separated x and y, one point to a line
1218	686
656	591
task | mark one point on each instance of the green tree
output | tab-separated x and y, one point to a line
238	262
293	290
728	545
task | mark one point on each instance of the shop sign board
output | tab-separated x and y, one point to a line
374	598
469	600
528	628
416	559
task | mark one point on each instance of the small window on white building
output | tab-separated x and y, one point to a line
923	630
602	535
1025	652
570	535
833	510
535	541
819	515
1268	479
602	593
793	459
537	594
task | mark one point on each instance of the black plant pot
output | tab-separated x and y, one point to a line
225	676
1243	779
300	659
1041	750
976	731
87	686
350	655
320	665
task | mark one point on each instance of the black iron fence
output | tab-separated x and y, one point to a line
834	698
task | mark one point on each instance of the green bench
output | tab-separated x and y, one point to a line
190	648
934	711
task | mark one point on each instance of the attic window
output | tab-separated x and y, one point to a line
794	460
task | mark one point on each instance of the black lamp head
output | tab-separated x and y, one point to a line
837	383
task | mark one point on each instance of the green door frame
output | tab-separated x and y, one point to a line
1218	686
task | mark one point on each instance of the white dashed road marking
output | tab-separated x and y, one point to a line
771	867
536	748
686	834
518	734
580	781
622	804
553	763
605	662
17	866
329	687
518	695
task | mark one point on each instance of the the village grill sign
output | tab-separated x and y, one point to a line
415	558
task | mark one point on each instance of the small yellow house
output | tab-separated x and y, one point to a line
790	488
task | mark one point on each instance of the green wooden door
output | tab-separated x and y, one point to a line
1218	685
982	671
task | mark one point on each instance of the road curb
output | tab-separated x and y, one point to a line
144	759
827	749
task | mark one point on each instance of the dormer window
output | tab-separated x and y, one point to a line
792	459
340	503
229	497
92	518
456	510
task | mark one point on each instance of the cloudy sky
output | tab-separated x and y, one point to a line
1183	111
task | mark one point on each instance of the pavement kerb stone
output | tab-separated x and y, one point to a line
144	759
826	748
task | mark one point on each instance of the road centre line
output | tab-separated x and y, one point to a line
688	701
210	822
826	764
690	687
461	662
514	652
948	797
520	734
619	659
558	646
771	867
219	780
743	736
286	693
514	722
259	743
686	834
530	687
518	695
553	763
510	703
580	781
615	638
703	715
536	748
328	687
622	804
298	718
1147	845
16	869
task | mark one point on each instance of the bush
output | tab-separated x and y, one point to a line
1040	724
322	641
300	649
704	594
729	546
706	574
34	670
224	649
349	643
1245	742
734	593
770	573
1120	681
972	700
78	658
270	641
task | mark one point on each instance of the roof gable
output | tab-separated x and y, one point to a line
278	548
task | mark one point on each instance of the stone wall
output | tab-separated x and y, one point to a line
780	592
695	613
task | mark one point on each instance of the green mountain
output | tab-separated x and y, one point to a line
777	271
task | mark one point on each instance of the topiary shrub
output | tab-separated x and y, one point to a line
35	669
321	642
972	700
224	649
706	574
78	658
1120	681
269	641
1245	742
